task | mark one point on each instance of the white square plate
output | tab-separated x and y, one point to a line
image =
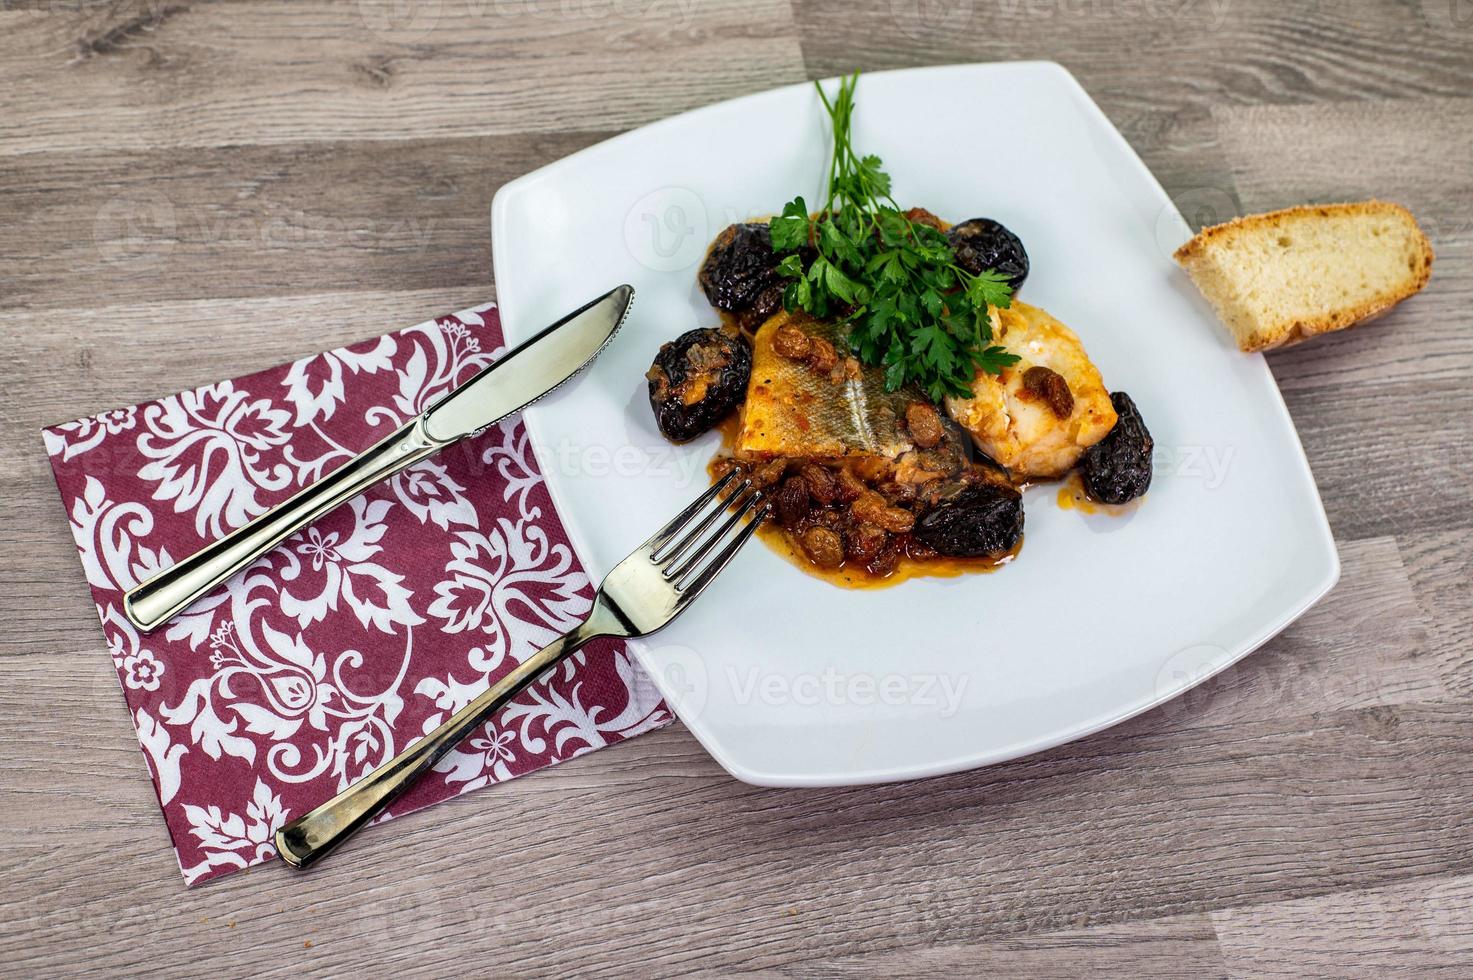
790	681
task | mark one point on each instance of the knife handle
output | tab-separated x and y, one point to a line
156	601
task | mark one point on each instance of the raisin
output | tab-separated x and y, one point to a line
822	483
874	509
824	547
868	507
792	343
896	520
863	541
885	562
924	424
768	473
1049	387
920	216
849	487
920	550
791	501
823	358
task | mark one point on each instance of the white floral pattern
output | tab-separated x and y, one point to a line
370	590
359	634
230	840
74	438
433	496
208	451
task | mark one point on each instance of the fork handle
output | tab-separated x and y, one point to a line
312	835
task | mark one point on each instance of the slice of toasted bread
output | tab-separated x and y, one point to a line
1281	277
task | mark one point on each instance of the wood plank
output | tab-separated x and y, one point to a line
222	180
82	360
1395	150
1389	459
142	74
1152	58
1428	922
89	230
1440	565
1122	826
1174	946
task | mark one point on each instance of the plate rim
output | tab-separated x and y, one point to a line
1322	535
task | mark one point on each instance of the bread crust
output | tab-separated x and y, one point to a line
1195	252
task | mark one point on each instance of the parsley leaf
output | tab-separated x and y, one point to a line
791	229
910	307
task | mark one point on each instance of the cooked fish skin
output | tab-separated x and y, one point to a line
1012	424
794	411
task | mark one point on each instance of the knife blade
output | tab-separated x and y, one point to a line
519	377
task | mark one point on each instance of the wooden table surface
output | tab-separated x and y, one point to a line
193	190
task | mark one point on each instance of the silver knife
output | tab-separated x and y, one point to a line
520	377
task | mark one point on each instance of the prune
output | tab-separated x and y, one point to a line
975	520
1117	469
740	274
981	244
696	380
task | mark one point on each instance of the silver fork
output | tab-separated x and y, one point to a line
643	593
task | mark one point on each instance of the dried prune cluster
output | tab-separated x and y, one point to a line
981	244
1117	469
696	380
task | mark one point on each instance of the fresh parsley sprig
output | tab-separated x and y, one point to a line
912	309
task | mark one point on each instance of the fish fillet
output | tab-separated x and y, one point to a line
794	411
1010	423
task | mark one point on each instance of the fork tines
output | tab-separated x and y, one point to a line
680	551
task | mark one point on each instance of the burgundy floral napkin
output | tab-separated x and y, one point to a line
359	634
